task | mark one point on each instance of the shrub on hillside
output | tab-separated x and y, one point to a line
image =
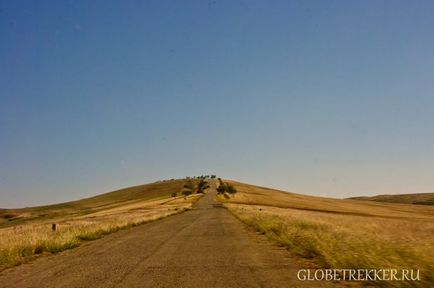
221	189
231	189
224	187
187	192
201	186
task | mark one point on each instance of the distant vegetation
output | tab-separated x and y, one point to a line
188	188
203	177
225	188
202	186
196	185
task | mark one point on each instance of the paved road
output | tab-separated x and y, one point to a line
205	247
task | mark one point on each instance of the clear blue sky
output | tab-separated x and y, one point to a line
332	98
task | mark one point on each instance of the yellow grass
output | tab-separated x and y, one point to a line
118	198
343	233
22	242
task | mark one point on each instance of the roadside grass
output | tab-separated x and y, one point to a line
346	242
21	243
342	234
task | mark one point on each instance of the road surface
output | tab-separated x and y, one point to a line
205	247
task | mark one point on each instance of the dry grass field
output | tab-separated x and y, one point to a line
26	233
420	198
342	233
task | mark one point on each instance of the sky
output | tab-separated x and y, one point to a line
328	98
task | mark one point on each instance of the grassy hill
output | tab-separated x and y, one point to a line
419	198
26	233
341	233
255	195
94	204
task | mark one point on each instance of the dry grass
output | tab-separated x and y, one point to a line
21	242
118	198
420	198
343	233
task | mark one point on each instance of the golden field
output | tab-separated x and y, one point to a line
26	233
342	234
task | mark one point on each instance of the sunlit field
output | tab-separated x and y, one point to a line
32	235
343	233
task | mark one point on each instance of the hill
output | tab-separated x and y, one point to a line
255	195
341	233
30	232
94	204
418	198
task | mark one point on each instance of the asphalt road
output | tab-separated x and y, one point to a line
205	247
